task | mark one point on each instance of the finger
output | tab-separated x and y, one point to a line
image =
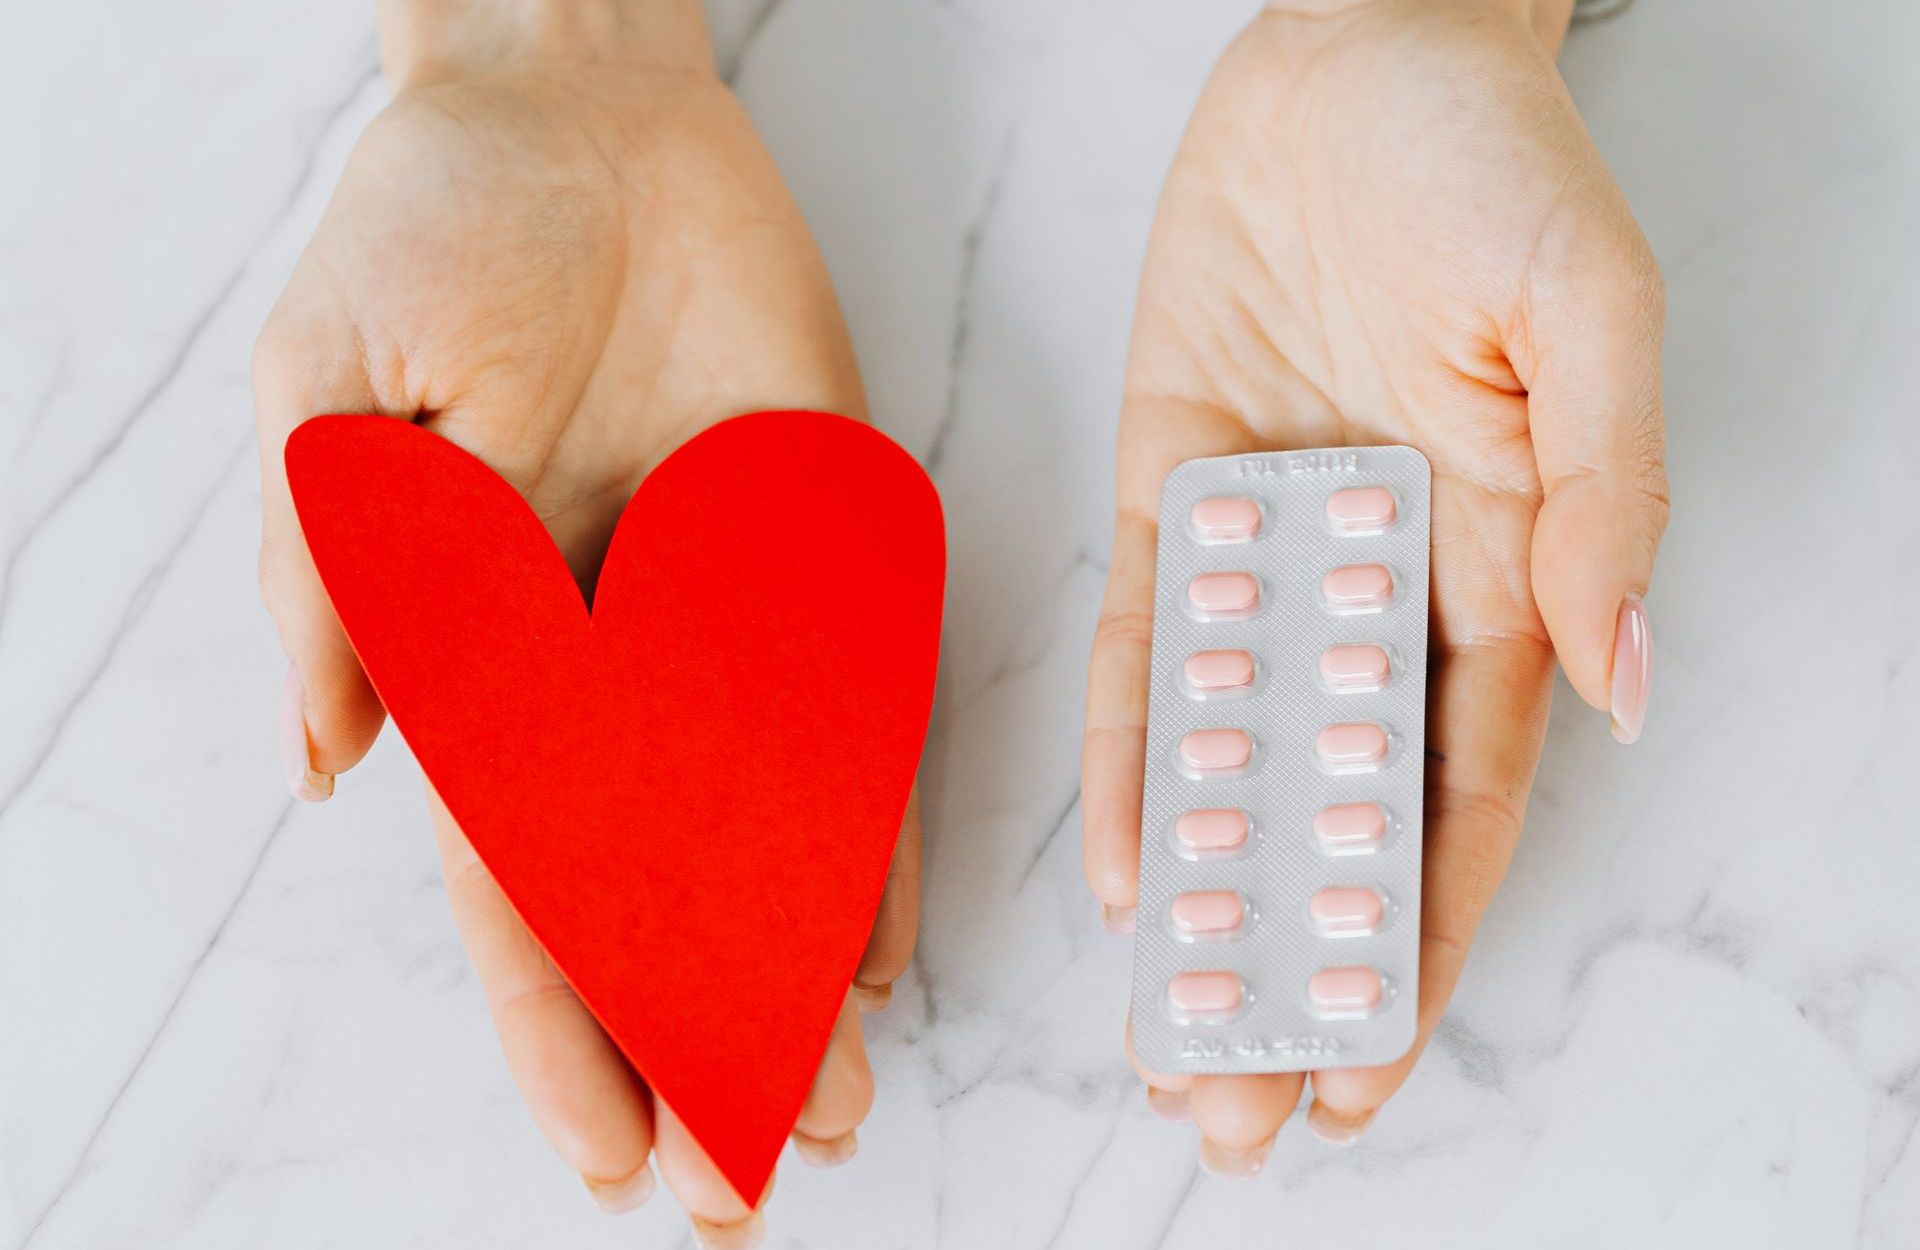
1113	755
720	1218
1487	715
897	923
576	1083
1238	1116
1171	1082
329	714
1590	362
841	1096
1166	1091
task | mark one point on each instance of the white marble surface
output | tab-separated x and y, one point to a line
1693	1019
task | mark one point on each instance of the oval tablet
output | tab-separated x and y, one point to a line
1225	519
1216	750
1214	829
1355	666
1357	744
1349	909
1355	586
1361	509
1218	672
1224	594
1350	826
1352	990
1206	994
1211	913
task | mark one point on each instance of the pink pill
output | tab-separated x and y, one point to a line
1208	912
1224	594
1350	826
1216	750
1226	519
1211	829
1358	586
1351	989
1212	672
1346	909
1352	745
1357	666
1360	509
1206	993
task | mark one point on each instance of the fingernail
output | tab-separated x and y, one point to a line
1116	919
1632	669
1168	1105
619	1197
822	1152
868	999
1333	1128
305	783
739	1235
1233	1165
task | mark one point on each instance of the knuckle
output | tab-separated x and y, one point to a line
1124	629
271	571
275	353
469	880
1653	282
1446	941
1658	508
1489	823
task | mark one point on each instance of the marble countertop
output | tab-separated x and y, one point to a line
1692	1019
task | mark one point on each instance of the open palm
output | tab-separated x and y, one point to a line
568	275
1386	224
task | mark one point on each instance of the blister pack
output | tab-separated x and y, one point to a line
1279	911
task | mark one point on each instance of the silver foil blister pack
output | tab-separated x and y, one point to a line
1279	910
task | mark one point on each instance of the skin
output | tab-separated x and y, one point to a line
562	247
1386	224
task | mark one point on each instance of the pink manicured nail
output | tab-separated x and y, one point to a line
1360	509
1334	1129
744	1234
826	1153
1346	909
1224	594
1169	1105
1212	672
1211	829
1341	990
1632	669
1216	750
1226	519
302	781
1358	586
1350	826
619	1197
1206	993
1357	666
1353	745
1233	1165
1208	912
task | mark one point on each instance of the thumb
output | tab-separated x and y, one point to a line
1590	360
329	714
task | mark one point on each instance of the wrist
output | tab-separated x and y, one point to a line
424	42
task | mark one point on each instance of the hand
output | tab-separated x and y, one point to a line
1387	225
563	248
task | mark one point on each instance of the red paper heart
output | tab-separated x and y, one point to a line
691	795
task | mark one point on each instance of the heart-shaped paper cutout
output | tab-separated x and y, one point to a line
691	795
